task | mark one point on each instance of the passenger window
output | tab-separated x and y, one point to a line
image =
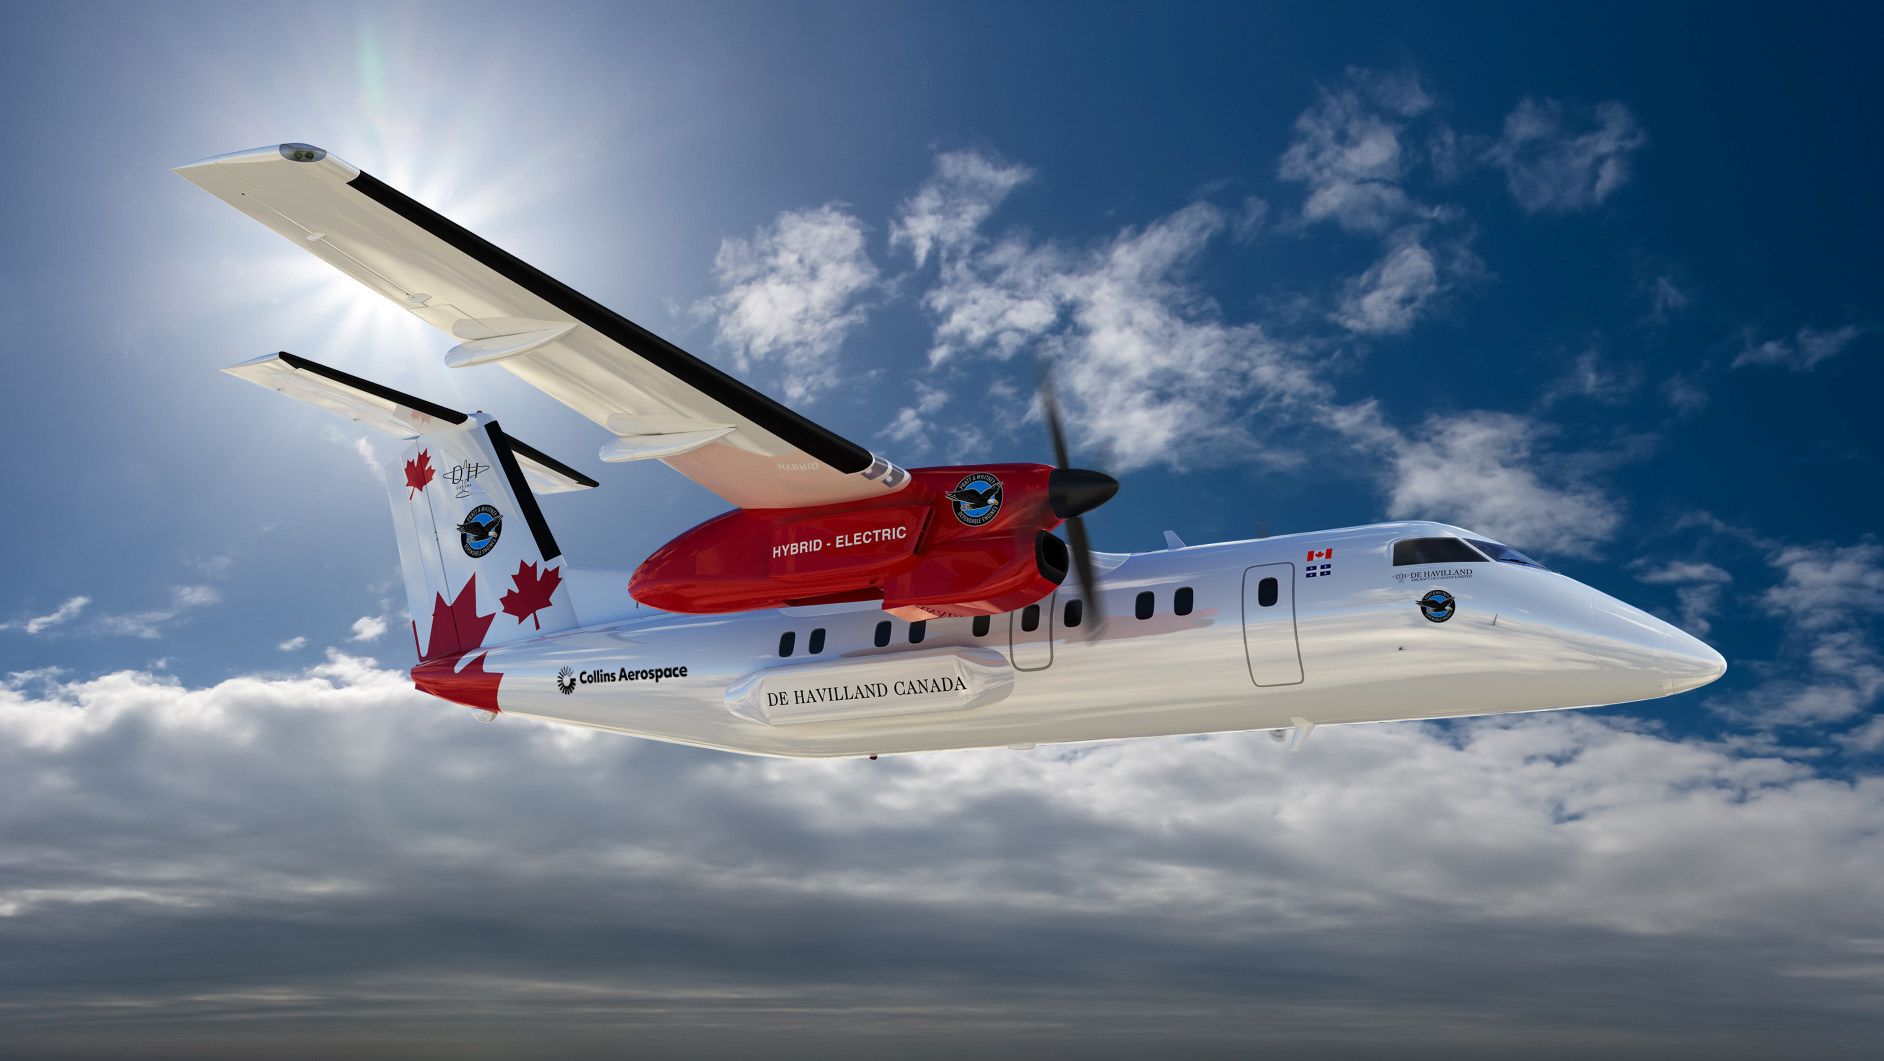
918	631
1434	551
883	633
816	644
1146	604
785	641
1030	618
1181	601
1267	592
981	625
1075	614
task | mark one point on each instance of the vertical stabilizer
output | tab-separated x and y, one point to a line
481	565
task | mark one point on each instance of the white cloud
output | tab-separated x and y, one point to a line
1260	893
950	207
1151	373
1388	297
1591	376
1144	362
1827	585
1666	300
1247	223
151	624
1866	738
213	566
1348	150
1487	471
1556	160
1802	352
368	628
293	644
1831	669
194	596
41	623
1699	589
794	291
361	446
997	302
913	428
1685	394
1405	284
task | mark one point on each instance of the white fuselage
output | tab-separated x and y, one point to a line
1349	643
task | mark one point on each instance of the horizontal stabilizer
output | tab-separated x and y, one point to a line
398	414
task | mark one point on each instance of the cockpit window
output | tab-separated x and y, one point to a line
1505	554
1434	551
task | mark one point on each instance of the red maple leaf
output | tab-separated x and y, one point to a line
530	593
456	627
418	473
473	686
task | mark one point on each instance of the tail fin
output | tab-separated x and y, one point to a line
481	566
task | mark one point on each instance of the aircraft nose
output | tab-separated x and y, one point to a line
1690	662
1650	653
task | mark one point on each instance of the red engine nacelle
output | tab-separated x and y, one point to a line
955	541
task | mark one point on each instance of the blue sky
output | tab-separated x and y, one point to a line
1600	282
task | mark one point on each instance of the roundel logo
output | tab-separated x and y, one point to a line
976	499
566	680
1438	606
480	530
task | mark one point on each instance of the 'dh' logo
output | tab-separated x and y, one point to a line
977	499
566	681
480	530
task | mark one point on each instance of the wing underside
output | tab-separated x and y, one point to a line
660	402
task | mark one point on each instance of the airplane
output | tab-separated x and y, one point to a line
846	606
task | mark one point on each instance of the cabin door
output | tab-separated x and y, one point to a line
1030	635
1269	637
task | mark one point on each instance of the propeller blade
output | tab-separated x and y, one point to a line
1072	492
1050	409
1081	549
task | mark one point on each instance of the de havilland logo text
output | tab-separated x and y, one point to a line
567	679
832	694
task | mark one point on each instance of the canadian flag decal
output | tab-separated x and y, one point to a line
1321	554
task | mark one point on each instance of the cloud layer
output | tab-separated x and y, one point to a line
329	848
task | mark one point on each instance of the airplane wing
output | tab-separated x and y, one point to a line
660	402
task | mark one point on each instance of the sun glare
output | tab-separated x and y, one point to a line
452	137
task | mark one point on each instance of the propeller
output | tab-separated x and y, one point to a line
1072	492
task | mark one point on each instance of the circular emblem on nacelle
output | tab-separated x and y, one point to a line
976	499
566	680
480	530
1438	606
